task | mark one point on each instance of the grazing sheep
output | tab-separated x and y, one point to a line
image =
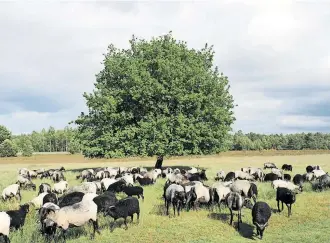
70	199
17	217
220	192
44	187
243	175
75	215
245	188
287	177
175	178
105	201
318	173
117	186
11	191
128	178
257	173
230	176
37	202
50	197
58	176
298	180
287	167
29	186
323	182
287	184
174	194
124	208
133	190
278	172
261	213
85	174
269	165
234	201
200	194
85	187
5	226
60	187
221	175
21	180
144	181
48	227
271	177
285	196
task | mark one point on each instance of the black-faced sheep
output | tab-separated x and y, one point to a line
261	213
285	196
70	199
50	197
175	194
18	216
287	177
309	169
105	200
124	208
48	227
5	226
298	180
44	187
234	202
200	195
75	215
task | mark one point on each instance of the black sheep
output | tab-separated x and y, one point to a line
145	181
70	199
117	186
104	201
261	213
323	182
287	177
230	176
285	196
50	197
124	208
18	216
44	187
309	169
287	167
253	192
298	180
133	190
271	177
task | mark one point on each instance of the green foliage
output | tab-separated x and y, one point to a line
157	97
27	148
4	134
74	146
8	149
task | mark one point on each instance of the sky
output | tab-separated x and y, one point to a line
276	55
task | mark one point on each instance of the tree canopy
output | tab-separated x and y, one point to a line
157	97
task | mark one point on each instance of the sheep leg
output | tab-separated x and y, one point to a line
173	207
132	217
125	222
231	216
167	207
96	227
278	206
282	206
240	216
142	197
178	206
6	239
64	234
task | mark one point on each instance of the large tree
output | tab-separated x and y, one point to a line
157	97
4	134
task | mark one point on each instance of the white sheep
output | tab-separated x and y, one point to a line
76	215
37	201
85	187
243	175
106	182
128	178
5	226
60	187
318	173
287	184
278	172
220	191
12	191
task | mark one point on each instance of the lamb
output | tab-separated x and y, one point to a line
285	196
60	187
75	215
44	187
174	194
220	175
11	191
18	216
287	167
133	190
234	201
124	208
70	199
145	181
261	213
50	197
38	201
230	176
105	200
269	165
5	226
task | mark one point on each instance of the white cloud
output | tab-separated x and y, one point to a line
54	49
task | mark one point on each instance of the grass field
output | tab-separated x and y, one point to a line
309	223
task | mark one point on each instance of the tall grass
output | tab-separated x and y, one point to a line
309	223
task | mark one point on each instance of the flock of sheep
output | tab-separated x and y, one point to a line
78	205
